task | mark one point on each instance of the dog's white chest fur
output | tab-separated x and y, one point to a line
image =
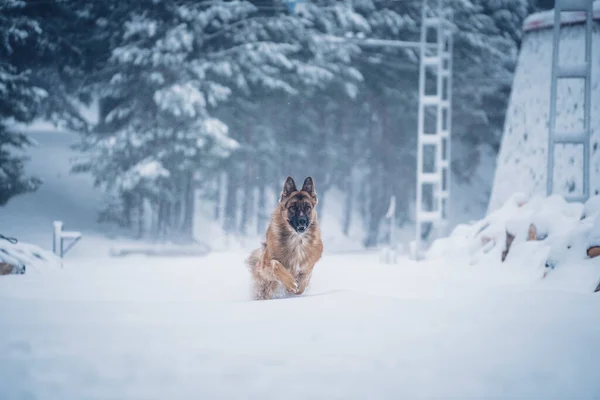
298	246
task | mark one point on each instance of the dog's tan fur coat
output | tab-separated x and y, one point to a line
287	257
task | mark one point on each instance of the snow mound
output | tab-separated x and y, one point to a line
26	257
161	249
541	234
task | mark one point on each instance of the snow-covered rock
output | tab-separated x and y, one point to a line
521	163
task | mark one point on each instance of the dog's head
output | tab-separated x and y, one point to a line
298	206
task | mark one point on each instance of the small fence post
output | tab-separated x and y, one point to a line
58	239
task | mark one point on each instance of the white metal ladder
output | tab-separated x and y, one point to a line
437	57
581	71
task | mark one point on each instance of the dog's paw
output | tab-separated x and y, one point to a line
293	288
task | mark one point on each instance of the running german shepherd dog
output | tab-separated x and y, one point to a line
293	244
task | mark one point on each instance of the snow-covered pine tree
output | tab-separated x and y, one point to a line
156	88
244	88
486	41
19	98
172	67
268	121
13	180
40	57
486	48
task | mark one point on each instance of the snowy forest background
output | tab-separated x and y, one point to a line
224	99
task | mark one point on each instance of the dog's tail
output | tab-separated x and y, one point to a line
255	257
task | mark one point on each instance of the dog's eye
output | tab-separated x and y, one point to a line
293	208
308	208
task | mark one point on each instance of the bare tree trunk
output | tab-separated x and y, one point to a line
348	205
261	215
374	209
140	215
248	194
247	205
229	220
261	206
350	141
168	207
160	219
378	182
321	160
218	198
188	199
174	221
127	199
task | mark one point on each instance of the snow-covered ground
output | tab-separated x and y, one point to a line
462	324
63	196
459	325
158	328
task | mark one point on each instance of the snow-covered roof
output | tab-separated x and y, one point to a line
545	19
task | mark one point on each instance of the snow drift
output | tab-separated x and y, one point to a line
26	257
542	235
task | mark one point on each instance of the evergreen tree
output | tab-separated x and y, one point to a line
29	46
249	92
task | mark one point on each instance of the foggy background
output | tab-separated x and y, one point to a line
190	114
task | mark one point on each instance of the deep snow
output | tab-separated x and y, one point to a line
562	233
155	328
185	328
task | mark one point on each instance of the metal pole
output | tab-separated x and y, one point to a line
587	101
448	121
420	127
368	42
443	125
437	168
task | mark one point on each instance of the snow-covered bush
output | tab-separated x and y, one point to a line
25	257
542	233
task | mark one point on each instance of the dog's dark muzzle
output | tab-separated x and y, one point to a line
301	224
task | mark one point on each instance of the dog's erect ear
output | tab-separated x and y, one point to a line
309	187
288	188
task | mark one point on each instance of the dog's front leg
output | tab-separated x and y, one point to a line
284	276
303	281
